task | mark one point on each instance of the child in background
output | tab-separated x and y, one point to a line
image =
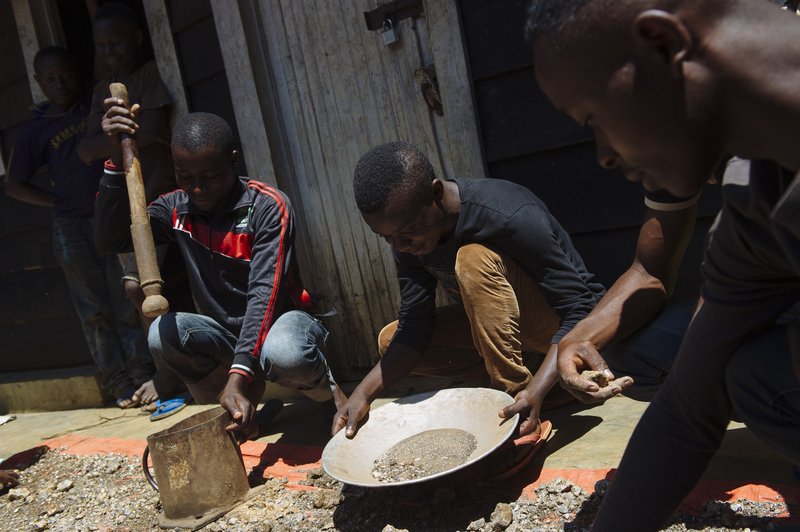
110	325
118	37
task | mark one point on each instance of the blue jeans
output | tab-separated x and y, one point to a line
110	323
200	351
647	355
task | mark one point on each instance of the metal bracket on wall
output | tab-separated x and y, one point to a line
429	88
386	17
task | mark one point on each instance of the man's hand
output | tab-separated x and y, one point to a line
527	404
242	411
118	120
574	357
351	416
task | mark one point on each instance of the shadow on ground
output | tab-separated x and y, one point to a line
449	503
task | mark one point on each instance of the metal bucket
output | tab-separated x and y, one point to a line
198	467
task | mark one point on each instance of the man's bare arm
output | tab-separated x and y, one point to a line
633	301
638	295
28	193
398	362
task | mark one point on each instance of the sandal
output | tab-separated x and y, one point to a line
167	408
515	454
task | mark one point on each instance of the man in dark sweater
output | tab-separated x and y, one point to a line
237	238
514	280
670	87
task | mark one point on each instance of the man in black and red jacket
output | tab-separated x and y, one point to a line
236	236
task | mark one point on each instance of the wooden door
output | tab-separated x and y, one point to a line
334	90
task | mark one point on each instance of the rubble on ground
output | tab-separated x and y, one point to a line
108	492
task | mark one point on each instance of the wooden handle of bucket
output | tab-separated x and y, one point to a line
146	469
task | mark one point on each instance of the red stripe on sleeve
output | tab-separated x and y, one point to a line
265	323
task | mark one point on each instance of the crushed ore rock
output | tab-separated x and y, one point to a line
118	498
424	454
478	524
502	516
597	377
318	478
326	499
64	485
18	493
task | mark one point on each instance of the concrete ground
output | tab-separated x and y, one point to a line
584	437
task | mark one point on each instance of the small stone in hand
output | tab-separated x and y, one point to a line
597	377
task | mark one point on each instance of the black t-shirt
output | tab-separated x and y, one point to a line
751	270
512	220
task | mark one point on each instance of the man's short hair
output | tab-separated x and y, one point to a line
52	52
546	17
197	131
574	17
396	168
118	11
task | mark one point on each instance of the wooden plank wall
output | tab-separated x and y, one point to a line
339	91
201	65
166	55
14	89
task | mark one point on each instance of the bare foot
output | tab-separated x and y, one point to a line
8	478
146	393
123	402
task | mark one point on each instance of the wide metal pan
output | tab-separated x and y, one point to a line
473	410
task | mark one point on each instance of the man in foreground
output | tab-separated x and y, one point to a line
670	87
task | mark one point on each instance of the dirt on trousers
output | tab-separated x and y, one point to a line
108	492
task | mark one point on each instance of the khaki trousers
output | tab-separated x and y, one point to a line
504	316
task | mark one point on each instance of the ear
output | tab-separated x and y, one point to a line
234	157
664	34
139	37
437	187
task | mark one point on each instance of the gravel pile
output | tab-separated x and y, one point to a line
70	493
63	492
